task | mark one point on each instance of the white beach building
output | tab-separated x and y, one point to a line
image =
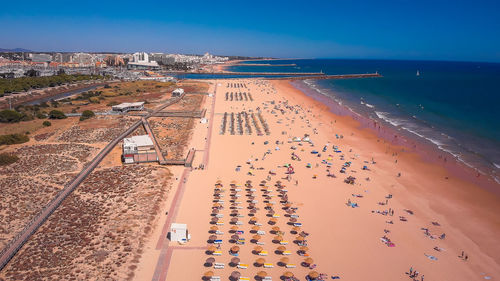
179	232
137	149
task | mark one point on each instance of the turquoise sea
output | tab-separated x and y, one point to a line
453	106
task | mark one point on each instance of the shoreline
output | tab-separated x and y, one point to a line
428	151
342	239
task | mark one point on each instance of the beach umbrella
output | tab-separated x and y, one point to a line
233	182
313	275
234	220
308	261
262	274
216	205
215	211
235	249
218	181
254	219
284	260
253	211
211	249
214	219
235	237
293	220
235	260
273	220
290	211
235	275
258	249
255	228
281	248
288	274
303	249
288	205
208	274
256	237
299	238
210	260
212	237
214	228
234	228
296	229
269	205
278	238
276	228
260	261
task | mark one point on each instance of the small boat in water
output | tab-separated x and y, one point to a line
418	73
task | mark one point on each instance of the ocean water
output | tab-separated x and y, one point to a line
451	105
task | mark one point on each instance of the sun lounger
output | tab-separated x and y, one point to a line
215	278
268	278
239	232
294	216
218	265
291	265
242	266
261	232
220	223
258	224
260	243
255	201
297	224
263	253
244	279
218	253
219	215
219	232
287	253
218	241
220	201
238	223
283	242
268	265
276	216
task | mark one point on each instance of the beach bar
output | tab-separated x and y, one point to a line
139	149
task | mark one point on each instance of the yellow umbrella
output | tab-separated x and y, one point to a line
276	228
212	248
281	248
303	249
278	238
299	238
214	228
209	274
308	261
235	249
258	249
313	274
256	237
255	228
288	274
234	227
260	261
284	260
261	274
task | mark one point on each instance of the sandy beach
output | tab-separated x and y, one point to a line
399	213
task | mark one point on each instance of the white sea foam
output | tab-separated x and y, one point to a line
385	116
496	165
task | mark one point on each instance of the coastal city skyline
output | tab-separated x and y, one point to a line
423	30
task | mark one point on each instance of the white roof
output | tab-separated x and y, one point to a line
144	63
143	140
179	90
128	104
178	226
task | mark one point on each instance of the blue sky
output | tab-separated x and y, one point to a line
393	29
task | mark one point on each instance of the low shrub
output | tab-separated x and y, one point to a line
13	139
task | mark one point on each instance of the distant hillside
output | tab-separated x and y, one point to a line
16	50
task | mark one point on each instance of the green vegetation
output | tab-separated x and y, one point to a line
13	139
86	115
10	116
7	159
25	83
56	114
46	124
